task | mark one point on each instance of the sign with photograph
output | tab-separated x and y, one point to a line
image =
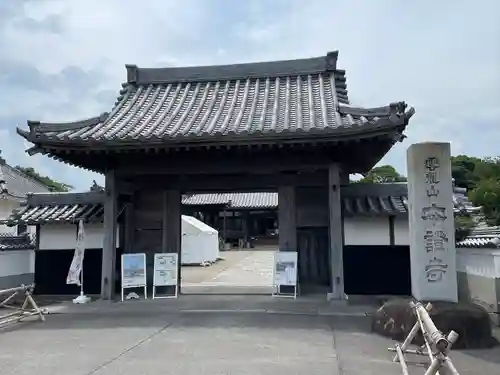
133	270
165	269
285	268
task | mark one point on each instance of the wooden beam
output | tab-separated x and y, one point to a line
93	197
109	240
231	165
287	219
129	230
335	233
231	183
171	226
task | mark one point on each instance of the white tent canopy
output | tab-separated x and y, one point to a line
200	242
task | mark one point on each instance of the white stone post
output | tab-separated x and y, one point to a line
432	226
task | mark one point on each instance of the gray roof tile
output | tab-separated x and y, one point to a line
475	241
9	241
282	98
234	200
15	184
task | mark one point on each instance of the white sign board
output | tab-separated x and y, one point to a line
285	271
165	269
432	225
134	272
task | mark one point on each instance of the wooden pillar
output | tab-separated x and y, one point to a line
171	225
344	178
392	231
129	231
244	223
109	240
287	218
224	226
335	233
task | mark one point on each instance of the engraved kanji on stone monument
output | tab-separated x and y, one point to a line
432	239
435	269
435	240
434	213
432	191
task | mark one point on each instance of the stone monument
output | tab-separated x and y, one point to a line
432	226
433	256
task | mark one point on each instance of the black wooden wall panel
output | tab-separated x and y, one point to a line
377	270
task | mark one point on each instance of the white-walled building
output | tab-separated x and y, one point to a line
17	242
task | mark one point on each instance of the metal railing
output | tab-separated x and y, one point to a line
28	308
436	345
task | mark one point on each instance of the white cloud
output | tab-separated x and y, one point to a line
441	57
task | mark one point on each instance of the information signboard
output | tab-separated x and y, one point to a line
134	272
165	273
285	273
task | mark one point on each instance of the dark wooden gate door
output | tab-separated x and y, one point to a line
314	259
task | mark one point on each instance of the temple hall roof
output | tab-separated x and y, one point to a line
14	184
280	100
235	201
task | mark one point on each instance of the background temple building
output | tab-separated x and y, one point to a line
16	259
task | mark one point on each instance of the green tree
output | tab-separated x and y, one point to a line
469	171
383	174
463	226
463	170
52	185
481	178
487	195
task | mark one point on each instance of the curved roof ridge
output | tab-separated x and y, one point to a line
314	65
47	127
393	108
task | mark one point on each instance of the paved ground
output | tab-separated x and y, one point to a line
240	271
209	335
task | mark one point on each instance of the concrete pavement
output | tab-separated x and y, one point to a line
241	272
210	335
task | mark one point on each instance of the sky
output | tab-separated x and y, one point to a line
63	60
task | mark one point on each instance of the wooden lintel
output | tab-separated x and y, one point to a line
231	183
66	199
195	167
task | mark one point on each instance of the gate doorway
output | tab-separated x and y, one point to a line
242	260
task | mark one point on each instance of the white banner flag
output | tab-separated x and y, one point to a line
77	263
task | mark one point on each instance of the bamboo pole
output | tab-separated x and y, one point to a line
22	312
402	362
411	335
22	288
437	344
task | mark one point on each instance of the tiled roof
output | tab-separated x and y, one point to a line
480	242
10	241
60	213
357	200
281	100
15	184
375	200
234	200
391	199
482	236
461	201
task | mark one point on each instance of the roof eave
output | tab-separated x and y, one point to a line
379	127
